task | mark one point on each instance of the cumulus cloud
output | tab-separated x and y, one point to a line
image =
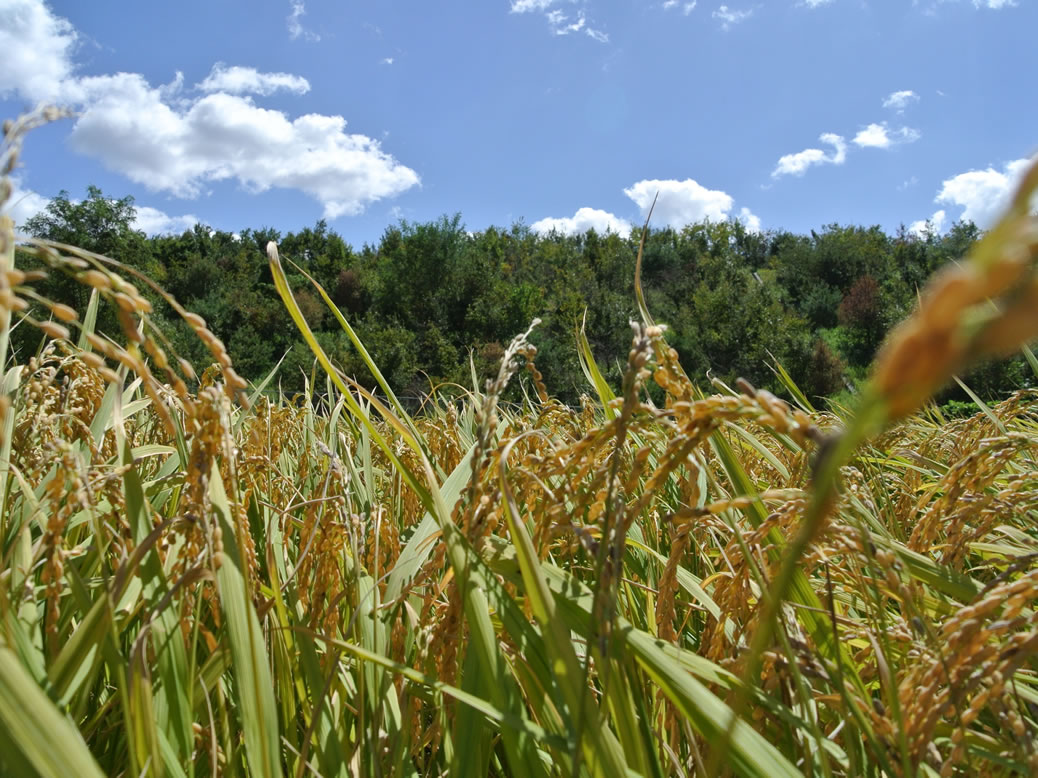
749	219
731	16
686	8
583	220
932	226
900	100
129	127
680	202
35	51
982	194
23	203
238	80
798	163
152	221
879	136
816	3
166	142
875	135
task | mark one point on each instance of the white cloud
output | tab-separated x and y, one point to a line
525	6
680	202
933	226
874	136
295	26
900	100
220	136
35	51
559	22
386	61
668	4
156	137
931	8
797	164
152	221
730	16
815	3
238	80
23	204
879	136
749	219
686	8
982	194
583	220
561	25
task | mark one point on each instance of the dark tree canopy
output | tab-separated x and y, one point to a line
431	301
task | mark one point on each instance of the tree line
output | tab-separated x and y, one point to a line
431	301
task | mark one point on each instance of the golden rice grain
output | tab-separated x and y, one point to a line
109	375
91	359
54	330
97	279
64	312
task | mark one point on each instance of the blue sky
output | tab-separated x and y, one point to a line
560	113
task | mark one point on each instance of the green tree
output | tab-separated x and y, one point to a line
99	224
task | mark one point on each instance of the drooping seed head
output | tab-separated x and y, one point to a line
64	312
54	330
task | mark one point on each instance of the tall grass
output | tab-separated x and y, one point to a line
202	577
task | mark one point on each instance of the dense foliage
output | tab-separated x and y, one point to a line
430	295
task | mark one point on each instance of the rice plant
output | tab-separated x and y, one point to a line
201	576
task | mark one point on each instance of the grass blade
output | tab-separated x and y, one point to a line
35	738
253	684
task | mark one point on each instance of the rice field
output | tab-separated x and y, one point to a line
201	576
